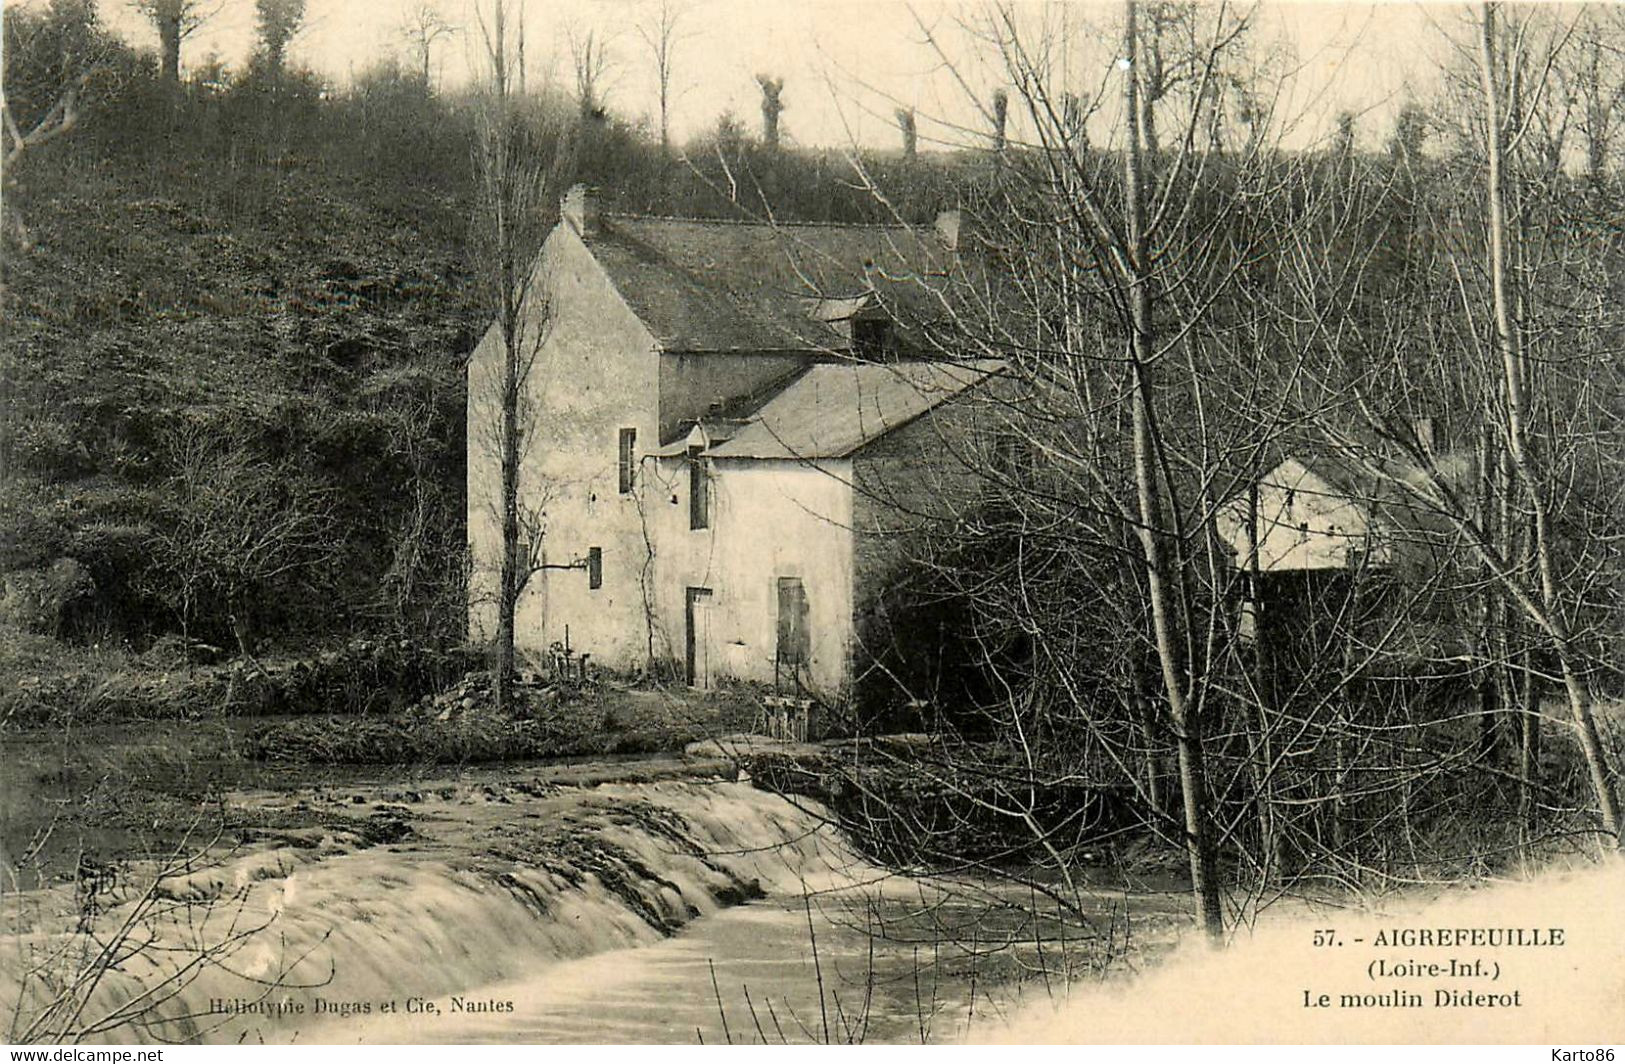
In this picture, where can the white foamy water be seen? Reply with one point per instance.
(746, 974)
(610, 914)
(482, 892)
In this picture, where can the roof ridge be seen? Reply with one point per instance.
(774, 224)
(799, 429)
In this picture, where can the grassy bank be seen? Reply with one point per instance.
(45, 683)
(109, 755)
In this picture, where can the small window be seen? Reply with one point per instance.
(699, 492)
(871, 338)
(595, 567)
(628, 467)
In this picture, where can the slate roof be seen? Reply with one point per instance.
(706, 285)
(834, 409)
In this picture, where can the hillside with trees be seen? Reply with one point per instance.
(237, 312)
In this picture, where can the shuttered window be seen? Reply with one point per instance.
(699, 492)
(628, 460)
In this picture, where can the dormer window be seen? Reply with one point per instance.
(861, 319)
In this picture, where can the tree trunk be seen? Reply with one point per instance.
(1146, 714)
(507, 228)
(1260, 754)
(169, 48)
(1491, 499)
(1187, 725)
(665, 112)
(1529, 748)
(508, 593)
(1512, 380)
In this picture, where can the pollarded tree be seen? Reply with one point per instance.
(175, 20)
(1549, 599)
(772, 107)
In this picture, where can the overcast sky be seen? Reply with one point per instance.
(846, 65)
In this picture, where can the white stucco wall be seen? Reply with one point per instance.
(1304, 523)
(769, 519)
(596, 372)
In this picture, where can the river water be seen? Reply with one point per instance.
(882, 962)
(512, 909)
(518, 906)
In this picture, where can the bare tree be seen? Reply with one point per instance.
(54, 58)
(241, 526)
(1592, 78)
(1521, 362)
(422, 26)
(1551, 604)
(1133, 259)
(1107, 319)
(590, 61)
(516, 183)
(661, 35)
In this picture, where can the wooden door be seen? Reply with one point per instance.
(795, 640)
(697, 637)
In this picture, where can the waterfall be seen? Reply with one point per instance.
(475, 890)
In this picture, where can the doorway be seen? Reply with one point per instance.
(794, 645)
(697, 637)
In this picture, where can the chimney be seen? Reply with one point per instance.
(947, 227)
(580, 209)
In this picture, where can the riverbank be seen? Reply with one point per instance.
(664, 900)
(131, 789)
(307, 887)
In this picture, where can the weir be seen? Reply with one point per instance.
(478, 889)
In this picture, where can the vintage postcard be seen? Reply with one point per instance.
(715, 522)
